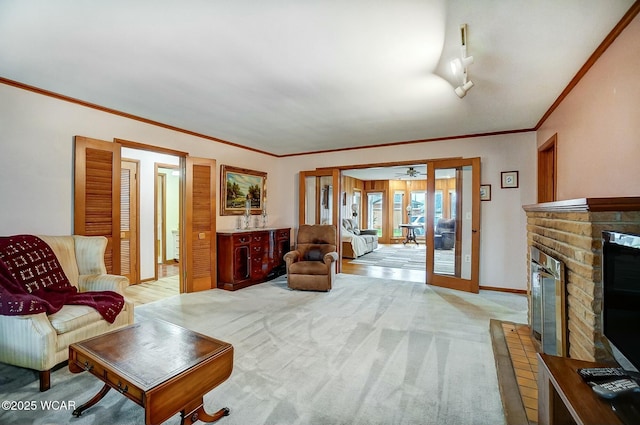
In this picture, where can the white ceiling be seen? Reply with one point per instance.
(286, 77)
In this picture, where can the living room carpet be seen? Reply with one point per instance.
(370, 351)
(408, 256)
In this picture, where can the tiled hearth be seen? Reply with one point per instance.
(571, 231)
(522, 351)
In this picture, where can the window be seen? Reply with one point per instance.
(375, 216)
(417, 210)
(398, 213)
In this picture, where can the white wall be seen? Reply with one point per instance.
(36, 173)
(36, 158)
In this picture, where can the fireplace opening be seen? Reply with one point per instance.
(548, 316)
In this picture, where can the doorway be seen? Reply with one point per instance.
(156, 204)
(446, 208)
(547, 170)
(167, 215)
(97, 210)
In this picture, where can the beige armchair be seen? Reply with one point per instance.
(311, 266)
(39, 341)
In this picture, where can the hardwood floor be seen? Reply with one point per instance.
(167, 285)
(406, 275)
(147, 292)
(384, 272)
(165, 270)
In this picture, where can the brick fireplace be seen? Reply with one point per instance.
(571, 232)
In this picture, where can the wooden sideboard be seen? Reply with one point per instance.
(247, 257)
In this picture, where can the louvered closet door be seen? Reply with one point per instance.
(200, 224)
(97, 195)
(129, 220)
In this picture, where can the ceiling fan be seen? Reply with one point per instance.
(411, 172)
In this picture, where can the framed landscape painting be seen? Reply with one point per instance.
(239, 185)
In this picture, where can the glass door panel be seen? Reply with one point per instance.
(311, 213)
(417, 205)
(399, 214)
(375, 211)
(326, 200)
(453, 239)
(356, 208)
(318, 197)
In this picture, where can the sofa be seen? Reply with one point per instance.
(357, 242)
(40, 341)
(445, 233)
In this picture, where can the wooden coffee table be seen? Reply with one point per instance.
(161, 366)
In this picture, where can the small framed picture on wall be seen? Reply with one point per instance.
(509, 179)
(485, 192)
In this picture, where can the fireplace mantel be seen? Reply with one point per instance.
(587, 204)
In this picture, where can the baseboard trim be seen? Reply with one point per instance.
(510, 290)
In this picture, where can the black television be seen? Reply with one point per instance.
(621, 296)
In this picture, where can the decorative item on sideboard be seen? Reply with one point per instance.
(264, 215)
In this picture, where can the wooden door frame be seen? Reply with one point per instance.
(135, 235)
(163, 254)
(548, 173)
(181, 157)
(472, 284)
(160, 252)
(386, 221)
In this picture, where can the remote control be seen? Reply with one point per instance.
(613, 389)
(602, 373)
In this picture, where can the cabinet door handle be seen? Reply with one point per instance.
(121, 389)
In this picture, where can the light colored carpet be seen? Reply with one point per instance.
(371, 351)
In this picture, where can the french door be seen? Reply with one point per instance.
(318, 201)
(453, 223)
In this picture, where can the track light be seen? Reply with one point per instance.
(462, 90)
(459, 65)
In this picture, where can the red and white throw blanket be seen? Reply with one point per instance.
(32, 281)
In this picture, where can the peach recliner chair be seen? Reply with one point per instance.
(311, 266)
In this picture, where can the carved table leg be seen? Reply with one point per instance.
(190, 415)
(96, 398)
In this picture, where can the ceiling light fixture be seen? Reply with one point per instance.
(462, 90)
(459, 65)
